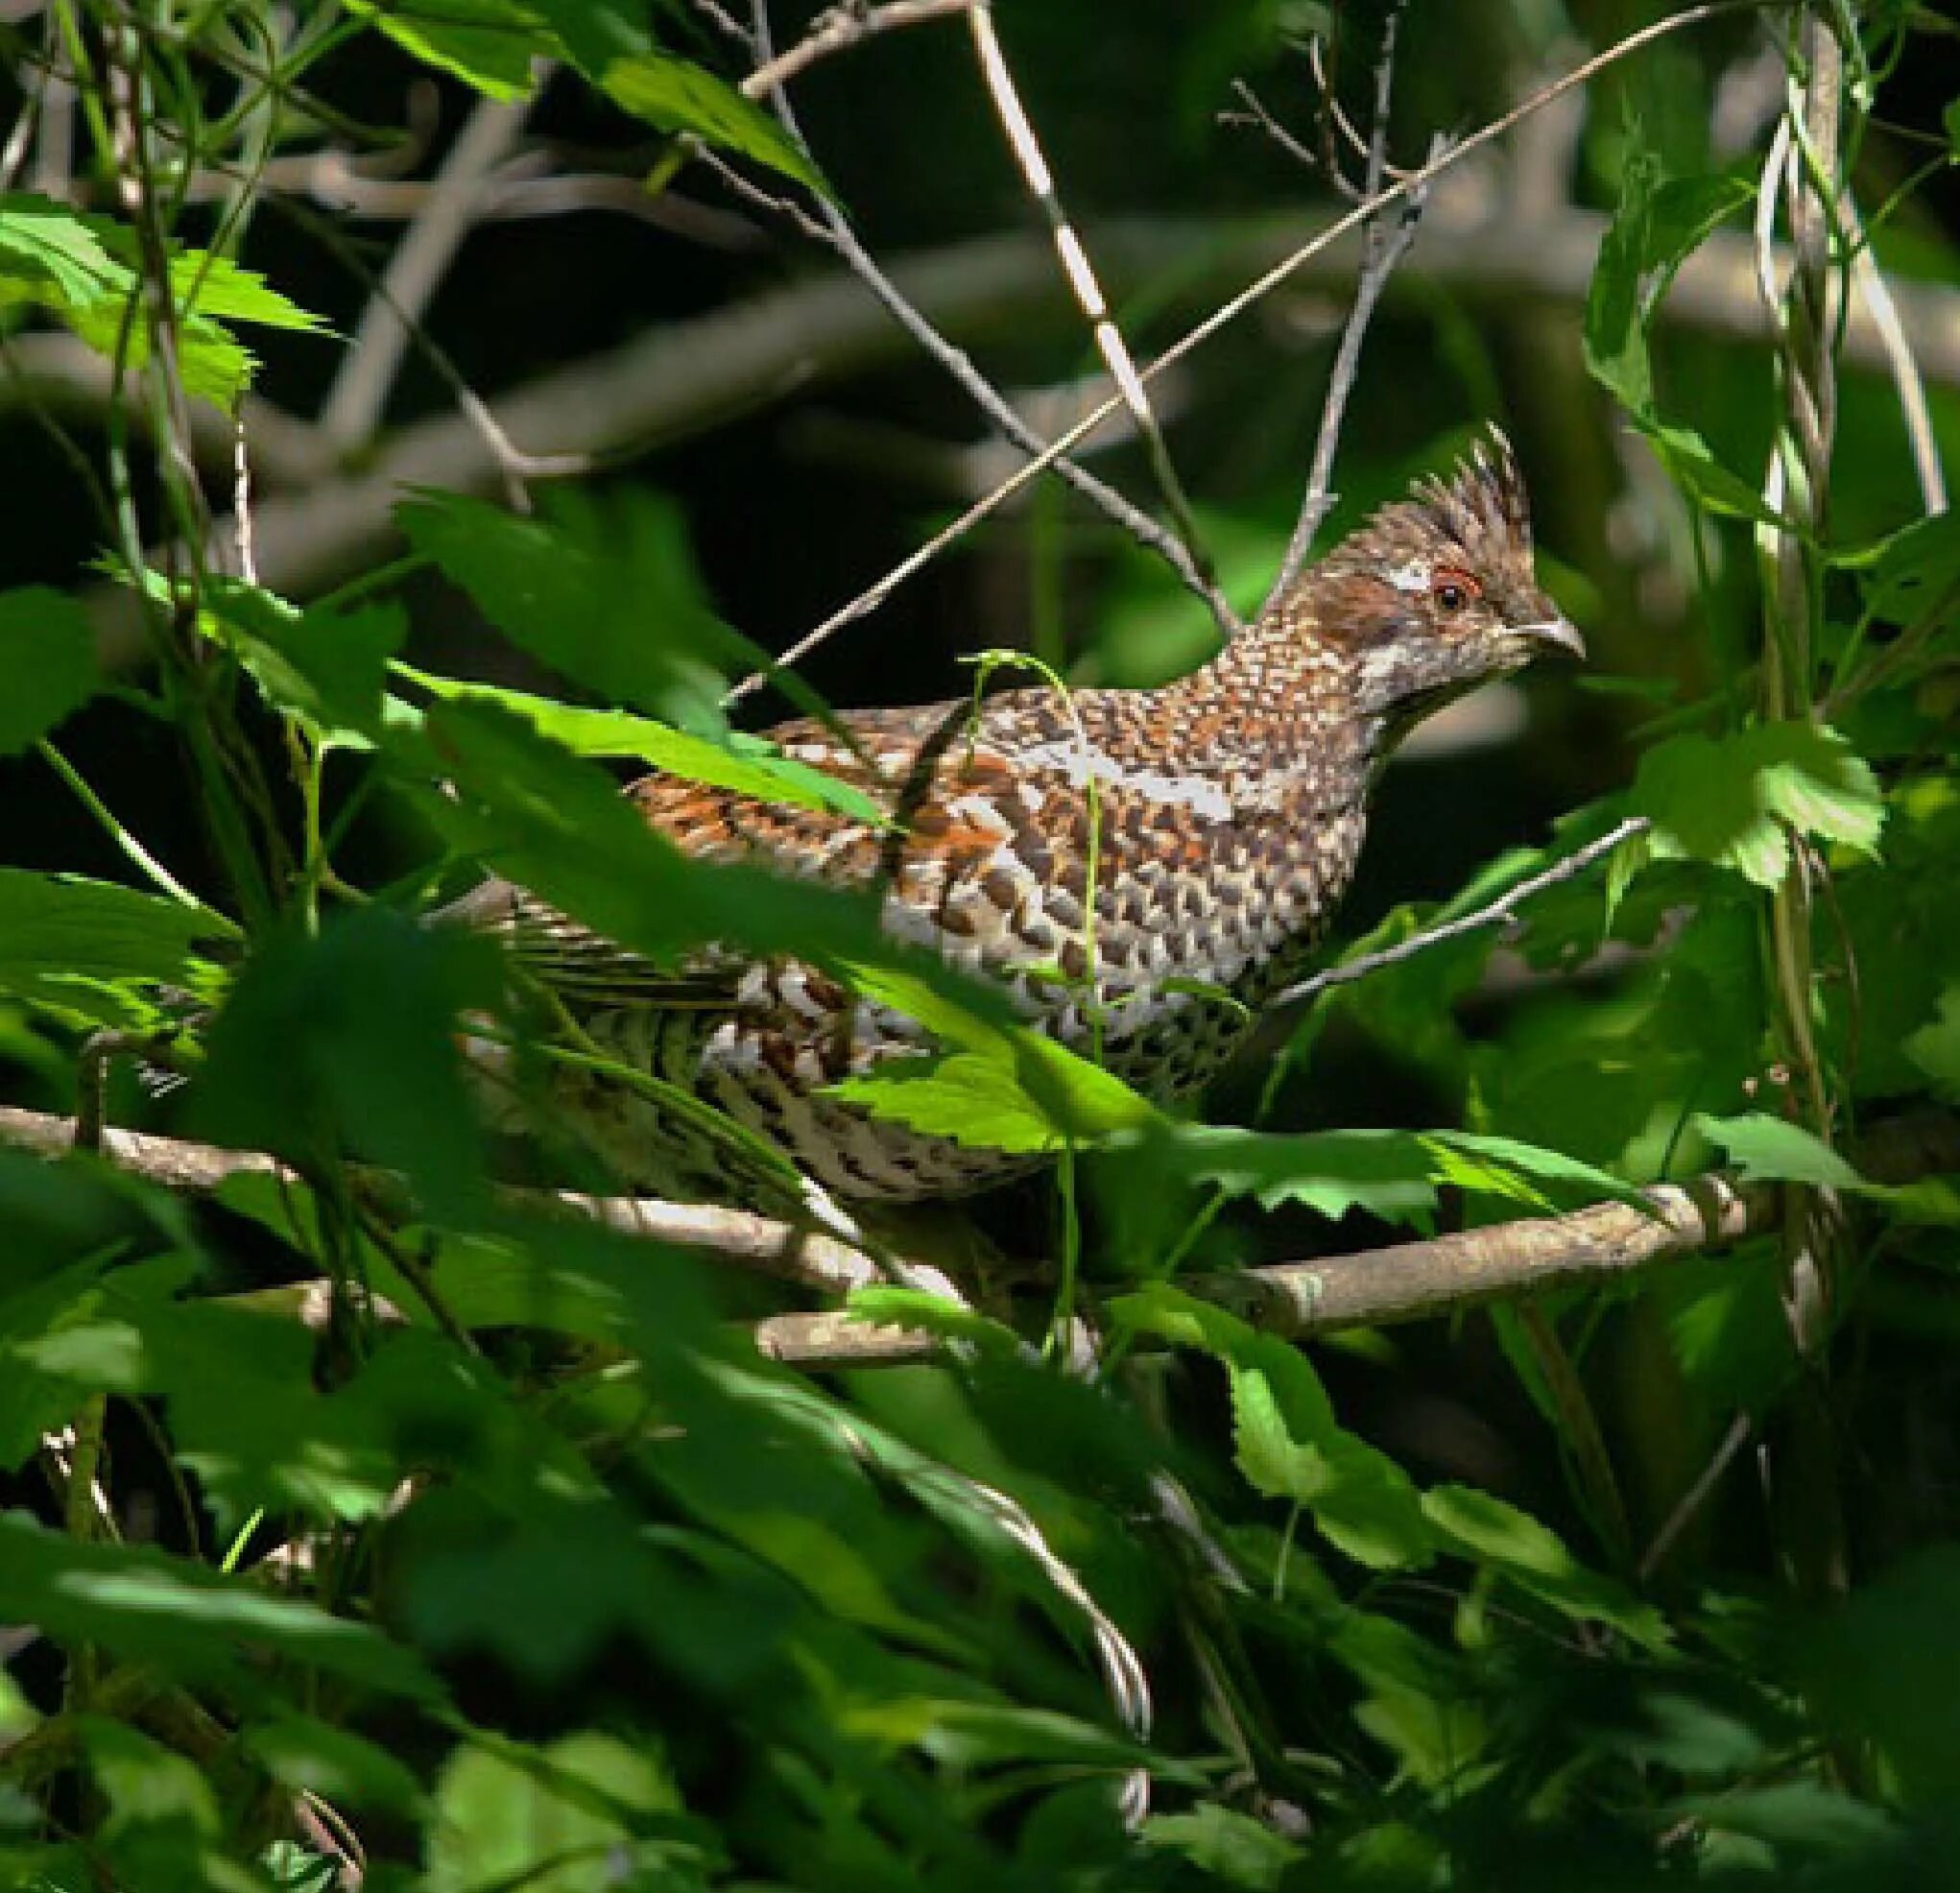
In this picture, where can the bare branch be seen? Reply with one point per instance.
(1447, 1273)
(832, 228)
(684, 375)
(1382, 249)
(1499, 912)
(1234, 307)
(1403, 1282)
(359, 395)
(1040, 180)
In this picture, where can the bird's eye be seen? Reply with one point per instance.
(1453, 591)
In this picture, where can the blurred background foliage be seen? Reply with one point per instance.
(548, 1579)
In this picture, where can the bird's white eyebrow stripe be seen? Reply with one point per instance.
(1082, 762)
(1414, 576)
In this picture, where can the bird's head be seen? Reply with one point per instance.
(1437, 592)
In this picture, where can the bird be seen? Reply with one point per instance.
(1141, 870)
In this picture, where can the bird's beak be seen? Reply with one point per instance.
(1558, 632)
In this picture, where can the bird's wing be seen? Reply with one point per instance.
(948, 791)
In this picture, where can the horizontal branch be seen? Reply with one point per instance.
(1375, 1287)
(759, 1244)
(686, 375)
(1406, 1281)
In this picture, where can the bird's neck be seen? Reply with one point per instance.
(1280, 691)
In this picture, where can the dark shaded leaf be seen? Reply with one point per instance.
(187, 1620)
(47, 654)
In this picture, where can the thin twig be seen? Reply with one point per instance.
(1399, 191)
(1383, 247)
(1499, 912)
(831, 229)
(1076, 266)
(1690, 1502)
(837, 30)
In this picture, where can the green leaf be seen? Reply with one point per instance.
(974, 1101)
(676, 95)
(999, 1079)
(1613, 332)
(349, 1038)
(1481, 1526)
(1693, 465)
(744, 765)
(1726, 800)
(311, 1757)
(186, 1619)
(66, 927)
(1805, 1820)
(1935, 1047)
(1653, 227)
(1390, 1174)
(323, 667)
(47, 655)
(564, 1819)
(964, 1734)
(1913, 571)
(608, 597)
(1229, 1848)
(44, 245)
(490, 44)
(558, 825)
(1387, 1174)
(885, 1306)
(1288, 1444)
(208, 285)
(1767, 1149)
(1510, 1167)
(83, 270)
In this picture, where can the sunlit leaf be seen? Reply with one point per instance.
(1767, 1149)
(1289, 1444)
(322, 667)
(676, 95)
(490, 44)
(1001, 1080)
(1482, 1526)
(1728, 800)
(748, 767)
(563, 1819)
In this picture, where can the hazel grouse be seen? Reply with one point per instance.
(1230, 811)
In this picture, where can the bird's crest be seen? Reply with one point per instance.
(1480, 513)
(1483, 504)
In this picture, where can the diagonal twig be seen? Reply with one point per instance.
(1081, 274)
(1398, 191)
(1496, 913)
(837, 30)
(831, 229)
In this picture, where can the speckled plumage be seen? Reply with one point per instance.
(1230, 811)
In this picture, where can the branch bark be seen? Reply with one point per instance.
(1376, 1287)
